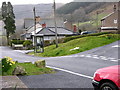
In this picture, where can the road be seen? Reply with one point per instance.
(73, 71)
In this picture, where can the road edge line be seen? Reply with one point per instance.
(71, 72)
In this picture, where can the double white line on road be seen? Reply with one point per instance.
(71, 72)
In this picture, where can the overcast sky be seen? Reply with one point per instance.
(17, 2)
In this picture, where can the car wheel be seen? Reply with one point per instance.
(108, 86)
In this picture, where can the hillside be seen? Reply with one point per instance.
(83, 14)
(73, 6)
(26, 11)
(104, 10)
(79, 11)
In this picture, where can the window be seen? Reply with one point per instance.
(115, 21)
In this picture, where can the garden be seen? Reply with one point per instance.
(10, 67)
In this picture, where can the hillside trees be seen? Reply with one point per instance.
(78, 11)
(77, 15)
(8, 18)
(71, 7)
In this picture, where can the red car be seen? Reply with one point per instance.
(107, 78)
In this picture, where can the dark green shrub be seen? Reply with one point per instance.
(15, 41)
(27, 43)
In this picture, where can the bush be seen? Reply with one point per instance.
(17, 41)
(27, 44)
(6, 64)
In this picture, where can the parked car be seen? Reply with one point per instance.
(87, 32)
(107, 78)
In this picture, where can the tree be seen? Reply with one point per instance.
(8, 19)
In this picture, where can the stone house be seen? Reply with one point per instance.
(110, 22)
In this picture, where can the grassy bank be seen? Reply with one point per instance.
(30, 68)
(82, 44)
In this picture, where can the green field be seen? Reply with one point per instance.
(93, 21)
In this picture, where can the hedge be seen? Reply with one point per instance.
(80, 36)
(15, 41)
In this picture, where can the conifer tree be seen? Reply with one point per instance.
(8, 18)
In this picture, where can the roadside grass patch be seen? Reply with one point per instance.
(30, 68)
(85, 43)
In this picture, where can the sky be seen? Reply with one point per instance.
(17, 2)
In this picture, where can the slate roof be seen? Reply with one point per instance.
(51, 31)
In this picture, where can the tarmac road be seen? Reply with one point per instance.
(73, 71)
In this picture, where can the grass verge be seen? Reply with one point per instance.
(85, 43)
(30, 68)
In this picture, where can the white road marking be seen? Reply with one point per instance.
(82, 55)
(88, 56)
(71, 72)
(96, 57)
(75, 56)
(27, 61)
(114, 60)
(91, 56)
(104, 58)
(116, 46)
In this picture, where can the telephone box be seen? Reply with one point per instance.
(39, 43)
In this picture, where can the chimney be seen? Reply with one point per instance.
(75, 28)
(44, 25)
(38, 19)
(115, 7)
(119, 5)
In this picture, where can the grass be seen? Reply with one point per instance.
(100, 16)
(30, 68)
(93, 22)
(85, 43)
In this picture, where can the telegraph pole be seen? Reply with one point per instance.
(119, 17)
(97, 19)
(56, 37)
(34, 39)
(34, 20)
